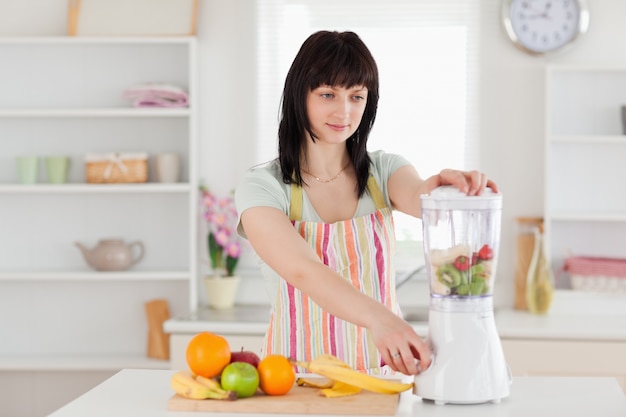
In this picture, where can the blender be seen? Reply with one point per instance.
(461, 239)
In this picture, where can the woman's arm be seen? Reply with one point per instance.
(275, 240)
(405, 186)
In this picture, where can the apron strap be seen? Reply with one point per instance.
(377, 195)
(295, 205)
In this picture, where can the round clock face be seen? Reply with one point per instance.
(541, 26)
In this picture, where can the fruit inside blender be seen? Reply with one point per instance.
(461, 271)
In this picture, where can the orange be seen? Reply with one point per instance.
(276, 375)
(207, 354)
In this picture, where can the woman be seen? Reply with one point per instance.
(320, 215)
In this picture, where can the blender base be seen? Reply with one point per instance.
(468, 364)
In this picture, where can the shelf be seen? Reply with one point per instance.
(587, 217)
(104, 40)
(588, 139)
(146, 188)
(79, 362)
(124, 112)
(96, 276)
(582, 68)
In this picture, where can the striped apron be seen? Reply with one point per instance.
(361, 250)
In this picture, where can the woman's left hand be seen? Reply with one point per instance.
(406, 187)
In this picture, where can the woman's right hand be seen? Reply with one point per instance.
(400, 346)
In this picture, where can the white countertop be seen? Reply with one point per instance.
(241, 319)
(573, 316)
(140, 393)
(513, 324)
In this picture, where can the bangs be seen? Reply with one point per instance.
(344, 67)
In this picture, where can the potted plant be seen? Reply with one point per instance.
(224, 248)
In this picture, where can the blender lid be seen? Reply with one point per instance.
(448, 197)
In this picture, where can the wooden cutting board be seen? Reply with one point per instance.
(300, 400)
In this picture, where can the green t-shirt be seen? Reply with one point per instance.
(263, 186)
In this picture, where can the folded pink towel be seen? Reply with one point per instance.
(157, 95)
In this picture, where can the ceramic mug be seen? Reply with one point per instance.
(167, 167)
(56, 168)
(27, 169)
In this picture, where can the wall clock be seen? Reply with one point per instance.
(543, 26)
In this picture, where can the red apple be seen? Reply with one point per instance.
(245, 356)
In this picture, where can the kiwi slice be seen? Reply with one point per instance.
(449, 276)
(478, 269)
(463, 289)
(476, 287)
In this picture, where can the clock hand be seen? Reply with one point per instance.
(530, 7)
(537, 13)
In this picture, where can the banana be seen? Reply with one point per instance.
(332, 359)
(210, 383)
(217, 388)
(335, 369)
(314, 383)
(328, 387)
(339, 389)
(184, 384)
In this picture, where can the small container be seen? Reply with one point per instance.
(116, 167)
(112, 254)
(598, 274)
(28, 169)
(56, 169)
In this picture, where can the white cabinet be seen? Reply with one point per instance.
(570, 358)
(585, 202)
(64, 96)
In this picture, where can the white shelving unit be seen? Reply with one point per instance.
(585, 212)
(64, 96)
(77, 113)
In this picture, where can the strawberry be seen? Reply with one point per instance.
(485, 253)
(462, 263)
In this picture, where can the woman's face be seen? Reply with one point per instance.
(335, 112)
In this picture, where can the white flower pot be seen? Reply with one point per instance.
(221, 291)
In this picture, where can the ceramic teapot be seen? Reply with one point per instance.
(112, 254)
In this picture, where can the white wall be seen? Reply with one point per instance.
(513, 114)
(512, 98)
(512, 104)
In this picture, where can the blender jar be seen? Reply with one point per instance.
(461, 241)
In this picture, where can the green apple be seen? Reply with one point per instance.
(240, 377)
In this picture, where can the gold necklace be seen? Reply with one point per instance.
(330, 180)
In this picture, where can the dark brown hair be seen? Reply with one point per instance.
(334, 59)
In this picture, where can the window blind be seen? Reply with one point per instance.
(427, 54)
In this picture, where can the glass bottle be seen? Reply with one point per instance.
(525, 247)
(540, 280)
